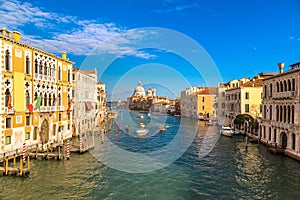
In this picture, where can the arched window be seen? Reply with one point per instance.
(277, 113)
(289, 85)
(49, 100)
(27, 98)
(45, 68)
(265, 91)
(54, 100)
(59, 99)
(280, 115)
(7, 96)
(27, 65)
(59, 73)
(284, 113)
(41, 68)
(285, 85)
(277, 87)
(45, 99)
(36, 66)
(274, 135)
(293, 84)
(265, 112)
(270, 112)
(281, 87)
(293, 114)
(293, 141)
(7, 60)
(271, 89)
(35, 133)
(288, 114)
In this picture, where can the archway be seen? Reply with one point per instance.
(283, 140)
(44, 132)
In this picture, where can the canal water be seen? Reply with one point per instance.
(229, 171)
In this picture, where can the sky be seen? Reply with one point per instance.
(166, 44)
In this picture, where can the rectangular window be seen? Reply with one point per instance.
(8, 140)
(203, 99)
(8, 122)
(202, 107)
(68, 126)
(27, 135)
(223, 105)
(260, 108)
(73, 93)
(247, 95)
(27, 120)
(73, 77)
(59, 117)
(246, 108)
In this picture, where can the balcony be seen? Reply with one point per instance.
(9, 111)
(285, 95)
(283, 125)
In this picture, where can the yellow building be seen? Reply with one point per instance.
(206, 103)
(35, 95)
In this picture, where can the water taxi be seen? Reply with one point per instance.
(226, 131)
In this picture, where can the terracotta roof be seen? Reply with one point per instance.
(210, 90)
(253, 83)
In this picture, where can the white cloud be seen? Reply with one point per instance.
(79, 37)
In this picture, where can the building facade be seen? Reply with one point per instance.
(280, 122)
(36, 88)
(198, 102)
(101, 103)
(84, 100)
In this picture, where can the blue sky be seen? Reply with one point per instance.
(242, 38)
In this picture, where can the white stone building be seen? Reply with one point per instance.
(280, 124)
(84, 100)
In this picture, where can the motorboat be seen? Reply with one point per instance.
(163, 128)
(226, 131)
(142, 131)
(142, 125)
(142, 116)
(210, 123)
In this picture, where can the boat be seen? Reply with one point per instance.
(142, 131)
(162, 128)
(226, 131)
(142, 116)
(149, 114)
(127, 129)
(142, 125)
(210, 123)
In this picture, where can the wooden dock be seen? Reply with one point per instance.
(21, 170)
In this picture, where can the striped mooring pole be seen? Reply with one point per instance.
(68, 149)
(80, 144)
(24, 152)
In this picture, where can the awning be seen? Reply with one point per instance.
(89, 106)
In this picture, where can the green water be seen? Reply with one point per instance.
(229, 171)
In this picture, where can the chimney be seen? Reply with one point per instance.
(64, 55)
(17, 36)
(3, 31)
(280, 66)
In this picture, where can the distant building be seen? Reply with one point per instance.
(142, 100)
(198, 102)
(280, 123)
(36, 87)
